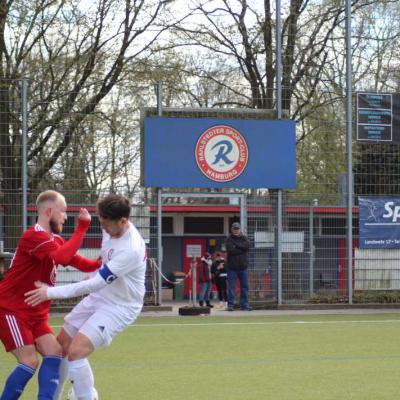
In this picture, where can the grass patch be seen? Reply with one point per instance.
(251, 357)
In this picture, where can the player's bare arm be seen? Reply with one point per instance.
(103, 278)
(37, 296)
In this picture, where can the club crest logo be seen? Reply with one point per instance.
(221, 153)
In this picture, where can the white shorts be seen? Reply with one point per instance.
(99, 324)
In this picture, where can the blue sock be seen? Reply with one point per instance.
(49, 374)
(16, 382)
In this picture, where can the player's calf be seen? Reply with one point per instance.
(48, 377)
(16, 382)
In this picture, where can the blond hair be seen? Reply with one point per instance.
(46, 196)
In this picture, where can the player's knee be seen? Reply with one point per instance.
(76, 352)
(80, 347)
(54, 349)
(30, 360)
(64, 342)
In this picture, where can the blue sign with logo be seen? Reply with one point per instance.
(215, 153)
(379, 222)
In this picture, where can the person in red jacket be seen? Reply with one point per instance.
(25, 330)
(204, 272)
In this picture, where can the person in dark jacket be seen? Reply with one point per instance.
(237, 248)
(204, 274)
(219, 275)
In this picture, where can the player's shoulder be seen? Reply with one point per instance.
(132, 246)
(132, 237)
(35, 231)
(33, 237)
(135, 232)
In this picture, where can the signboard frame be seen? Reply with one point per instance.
(170, 157)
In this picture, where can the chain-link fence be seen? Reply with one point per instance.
(314, 260)
(74, 126)
(80, 161)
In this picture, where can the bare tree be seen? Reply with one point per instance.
(237, 38)
(242, 35)
(112, 147)
(73, 53)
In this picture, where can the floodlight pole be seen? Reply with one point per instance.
(349, 146)
(279, 116)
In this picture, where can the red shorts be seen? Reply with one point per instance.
(16, 332)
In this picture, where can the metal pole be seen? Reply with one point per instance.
(349, 145)
(159, 90)
(279, 246)
(311, 248)
(24, 169)
(279, 116)
(159, 206)
(159, 243)
(243, 213)
(278, 62)
(194, 280)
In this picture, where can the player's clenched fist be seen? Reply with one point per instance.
(84, 215)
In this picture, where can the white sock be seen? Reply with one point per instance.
(63, 377)
(82, 378)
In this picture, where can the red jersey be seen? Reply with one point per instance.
(32, 262)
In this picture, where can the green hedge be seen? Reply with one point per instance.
(359, 297)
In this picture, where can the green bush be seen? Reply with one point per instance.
(359, 297)
(327, 298)
(376, 297)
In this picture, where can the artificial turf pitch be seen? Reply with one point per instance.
(321, 357)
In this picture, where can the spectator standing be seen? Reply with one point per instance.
(237, 248)
(220, 275)
(204, 272)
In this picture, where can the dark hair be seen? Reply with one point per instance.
(113, 207)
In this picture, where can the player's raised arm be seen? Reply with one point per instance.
(64, 253)
(84, 264)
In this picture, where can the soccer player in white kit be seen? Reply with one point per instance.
(116, 296)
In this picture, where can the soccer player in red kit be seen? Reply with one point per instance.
(25, 330)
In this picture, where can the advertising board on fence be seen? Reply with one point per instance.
(218, 153)
(379, 222)
(378, 117)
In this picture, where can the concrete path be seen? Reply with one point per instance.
(171, 309)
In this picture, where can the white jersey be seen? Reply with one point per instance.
(120, 282)
(125, 258)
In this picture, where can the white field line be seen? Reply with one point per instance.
(247, 323)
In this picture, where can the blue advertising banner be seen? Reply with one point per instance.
(379, 222)
(216, 153)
